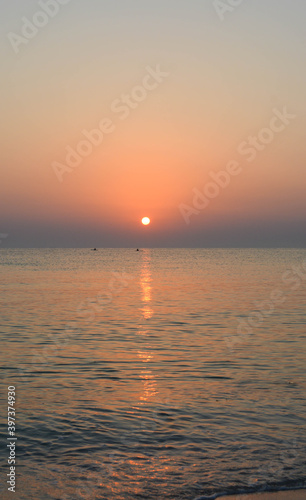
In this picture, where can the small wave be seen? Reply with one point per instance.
(252, 491)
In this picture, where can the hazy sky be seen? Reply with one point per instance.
(180, 90)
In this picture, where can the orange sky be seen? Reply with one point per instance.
(216, 85)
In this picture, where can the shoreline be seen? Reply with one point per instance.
(299, 494)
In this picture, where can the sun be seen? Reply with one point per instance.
(146, 221)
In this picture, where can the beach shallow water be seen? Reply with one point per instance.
(280, 495)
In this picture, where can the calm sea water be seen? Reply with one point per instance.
(159, 374)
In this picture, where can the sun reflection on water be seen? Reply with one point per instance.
(147, 312)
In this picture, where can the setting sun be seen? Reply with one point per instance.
(146, 221)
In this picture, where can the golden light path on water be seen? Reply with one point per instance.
(147, 313)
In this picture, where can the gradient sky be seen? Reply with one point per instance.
(225, 79)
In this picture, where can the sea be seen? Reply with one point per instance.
(153, 374)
